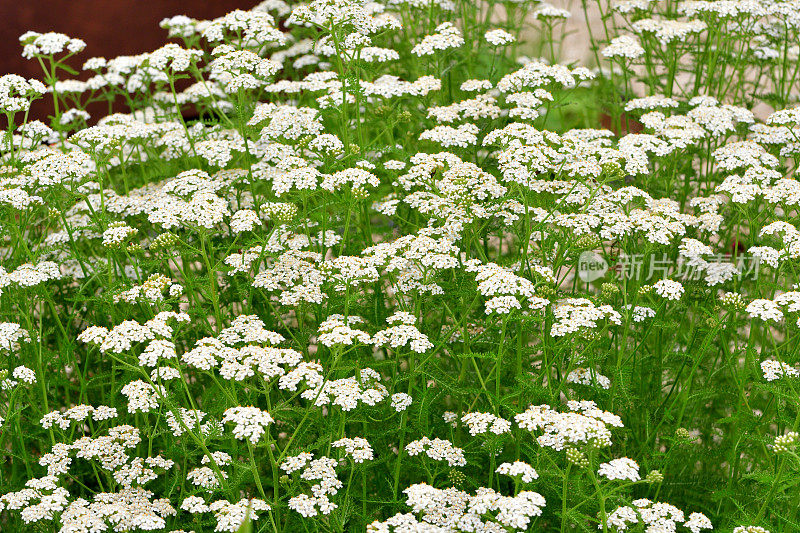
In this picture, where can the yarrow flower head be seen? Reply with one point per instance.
(584, 425)
(444, 37)
(625, 46)
(668, 289)
(621, 469)
(48, 44)
(519, 469)
(438, 450)
(250, 422)
(786, 442)
(357, 448)
(17, 93)
(499, 37)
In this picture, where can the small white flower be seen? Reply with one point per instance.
(499, 37)
(668, 289)
(250, 422)
(622, 469)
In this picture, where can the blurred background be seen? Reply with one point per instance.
(109, 27)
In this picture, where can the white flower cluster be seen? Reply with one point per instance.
(230, 517)
(249, 422)
(784, 443)
(347, 393)
(338, 330)
(773, 310)
(577, 314)
(245, 350)
(402, 332)
(77, 413)
(668, 289)
(656, 516)
(499, 37)
(142, 396)
(29, 275)
(455, 510)
(438, 450)
(17, 93)
(11, 335)
(668, 31)
(445, 36)
(20, 373)
(123, 336)
(117, 233)
(357, 448)
(506, 288)
(152, 290)
(774, 370)
(624, 46)
(401, 401)
(589, 378)
(583, 425)
(519, 469)
(461, 136)
(48, 44)
(321, 474)
(622, 469)
(480, 423)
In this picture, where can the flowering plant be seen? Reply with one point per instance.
(378, 266)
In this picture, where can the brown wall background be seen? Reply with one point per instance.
(109, 27)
